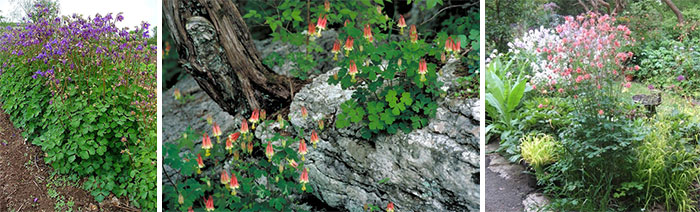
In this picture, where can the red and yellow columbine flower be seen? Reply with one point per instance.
(233, 185)
(250, 147)
(269, 152)
(229, 142)
(302, 148)
(422, 69)
(348, 45)
(320, 124)
(210, 119)
(368, 33)
(413, 34)
(254, 118)
(280, 121)
(216, 132)
(190, 209)
(206, 144)
(224, 177)
(336, 49)
(312, 30)
(314, 138)
(209, 203)
(326, 6)
(200, 163)
(180, 199)
(448, 44)
(352, 70)
(304, 179)
(456, 47)
(263, 114)
(177, 94)
(304, 113)
(244, 127)
(390, 207)
(402, 23)
(321, 24)
(292, 163)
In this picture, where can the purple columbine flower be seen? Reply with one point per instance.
(680, 78)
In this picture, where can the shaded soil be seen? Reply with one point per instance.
(505, 194)
(25, 179)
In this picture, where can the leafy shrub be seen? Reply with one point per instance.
(671, 65)
(545, 115)
(600, 134)
(266, 173)
(85, 92)
(667, 164)
(503, 95)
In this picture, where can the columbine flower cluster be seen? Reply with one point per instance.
(590, 50)
(245, 137)
(533, 47)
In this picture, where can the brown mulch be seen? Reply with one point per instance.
(24, 176)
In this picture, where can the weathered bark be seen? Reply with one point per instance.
(675, 10)
(216, 48)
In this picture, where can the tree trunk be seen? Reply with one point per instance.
(216, 48)
(675, 10)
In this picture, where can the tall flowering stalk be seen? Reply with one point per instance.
(590, 58)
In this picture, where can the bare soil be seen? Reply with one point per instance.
(25, 179)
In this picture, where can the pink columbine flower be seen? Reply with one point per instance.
(304, 179)
(224, 177)
(402, 23)
(206, 144)
(422, 69)
(390, 207)
(200, 163)
(233, 185)
(348, 45)
(600, 112)
(368, 33)
(209, 203)
(352, 70)
(336, 49)
(314, 138)
(269, 152)
(302, 148)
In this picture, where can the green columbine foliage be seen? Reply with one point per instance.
(265, 184)
(85, 92)
(389, 92)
